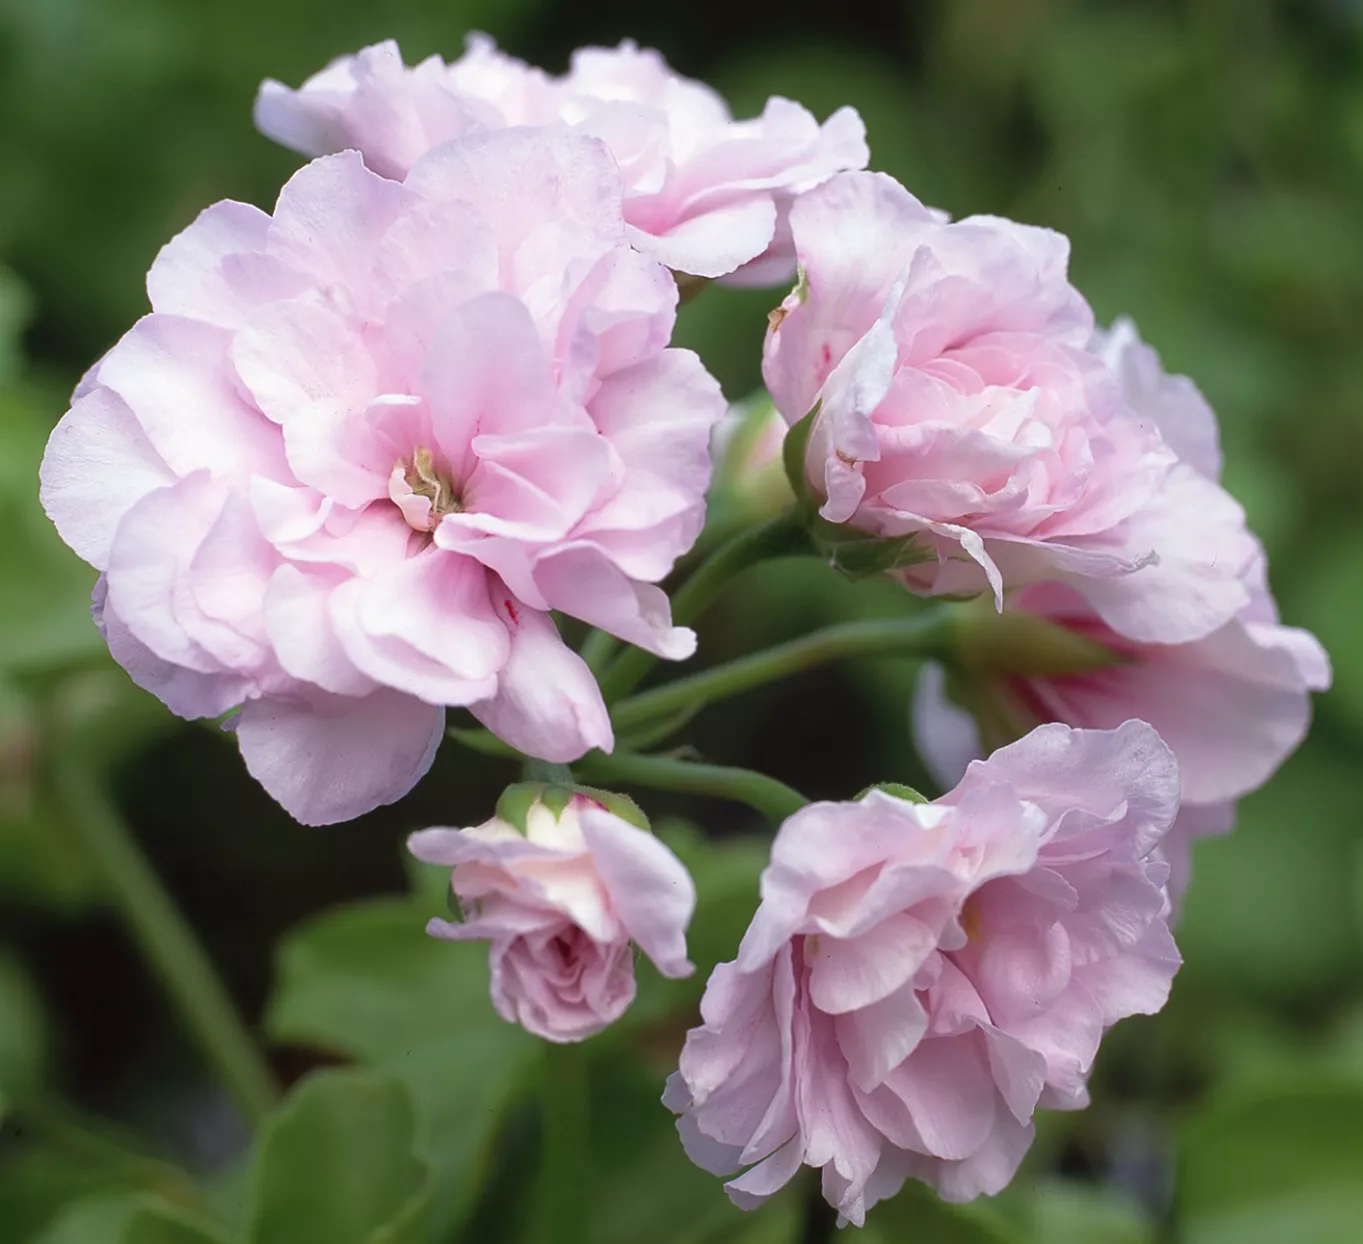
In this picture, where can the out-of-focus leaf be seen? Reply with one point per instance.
(1270, 907)
(14, 308)
(1325, 600)
(1064, 1211)
(918, 1213)
(23, 1028)
(1281, 1162)
(643, 1185)
(45, 608)
(365, 981)
(337, 1165)
(136, 1219)
(42, 1176)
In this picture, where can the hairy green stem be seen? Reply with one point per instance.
(566, 1170)
(168, 942)
(923, 635)
(777, 537)
(773, 799)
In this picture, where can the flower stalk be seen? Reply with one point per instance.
(168, 943)
(565, 1199)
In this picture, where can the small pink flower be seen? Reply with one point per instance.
(362, 447)
(921, 977)
(561, 902)
(1232, 705)
(959, 404)
(704, 193)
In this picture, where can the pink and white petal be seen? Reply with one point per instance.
(300, 352)
(176, 378)
(199, 272)
(152, 550)
(768, 1177)
(426, 626)
(712, 243)
(298, 621)
(988, 1170)
(330, 218)
(949, 1092)
(649, 887)
(526, 176)
(581, 581)
(187, 693)
(1197, 584)
(489, 373)
(97, 466)
(334, 758)
(875, 1039)
(1128, 771)
(548, 704)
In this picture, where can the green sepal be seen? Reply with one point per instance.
(619, 805)
(857, 555)
(556, 798)
(517, 800)
(896, 789)
(793, 458)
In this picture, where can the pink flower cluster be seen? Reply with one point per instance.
(560, 899)
(959, 404)
(363, 446)
(921, 977)
(705, 194)
(1232, 704)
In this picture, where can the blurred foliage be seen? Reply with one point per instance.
(1205, 157)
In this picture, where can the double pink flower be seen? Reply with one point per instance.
(360, 449)
(921, 977)
(704, 193)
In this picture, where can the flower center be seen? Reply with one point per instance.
(422, 491)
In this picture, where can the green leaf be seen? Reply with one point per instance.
(130, 1219)
(366, 982)
(336, 1165)
(917, 1213)
(644, 1188)
(23, 1028)
(14, 312)
(1065, 1211)
(1282, 1162)
(45, 609)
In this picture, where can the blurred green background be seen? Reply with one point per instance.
(1205, 157)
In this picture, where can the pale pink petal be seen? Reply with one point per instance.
(650, 889)
(547, 703)
(98, 465)
(334, 758)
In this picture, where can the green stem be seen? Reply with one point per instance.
(597, 649)
(923, 635)
(566, 1169)
(774, 800)
(777, 537)
(168, 942)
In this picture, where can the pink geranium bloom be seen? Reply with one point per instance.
(703, 193)
(361, 447)
(561, 899)
(1232, 705)
(921, 977)
(959, 405)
